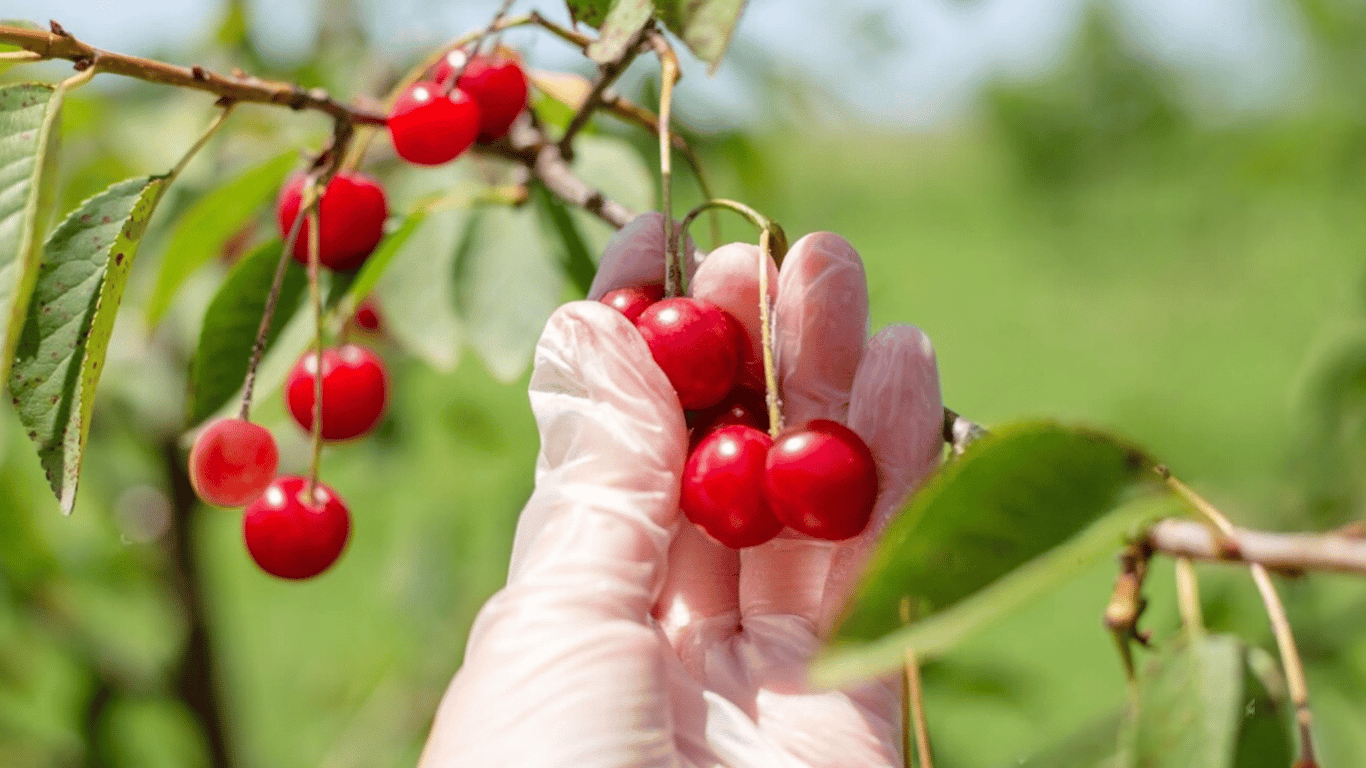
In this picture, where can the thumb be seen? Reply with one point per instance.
(597, 528)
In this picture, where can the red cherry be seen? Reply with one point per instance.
(429, 126)
(232, 461)
(367, 315)
(354, 391)
(632, 301)
(722, 490)
(292, 537)
(692, 342)
(496, 84)
(350, 219)
(820, 479)
(742, 406)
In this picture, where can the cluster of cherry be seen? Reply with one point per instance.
(740, 485)
(233, 462)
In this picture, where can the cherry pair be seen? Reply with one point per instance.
(739, 485)
(435, 120)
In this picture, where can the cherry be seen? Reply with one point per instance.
(354, 391)
(742, 406)
(496, 84)
(350, 219)
(722, 491)
(292, 537)
(693, 343)
(367, 315)
(232, 461)
(632, 301)
(820, 479)
(429, 126)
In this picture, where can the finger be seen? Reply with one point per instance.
(703, 577)
(897, 409)
(635, 256)
(597, 528)
(820, 323)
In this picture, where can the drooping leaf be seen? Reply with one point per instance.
(590, 12)
(200, 233)
(417, 293)
(28, 116)
(619, 28)
(575, 260)
(231, 323)
(1006, 520)
(507, 285)
(613, 167)
(1198, 706)
(66, 331)
(706, 26)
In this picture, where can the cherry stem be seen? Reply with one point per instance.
(203, 139)
(779, 237)
(775, 411)
(315, 298)
(675, 277)
(1275, 612)
(1188, 598)
(913, 723)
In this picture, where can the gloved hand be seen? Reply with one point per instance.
(626, 637)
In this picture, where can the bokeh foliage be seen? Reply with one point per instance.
(1087, 248)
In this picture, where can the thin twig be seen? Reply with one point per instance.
(913, 723)
(60, 44)
(1127, 605)
(1285, 552)
(607, 74)
(316, 301)
(959, 433)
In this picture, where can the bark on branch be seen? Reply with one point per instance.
(1285, 552)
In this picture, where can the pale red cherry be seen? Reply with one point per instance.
(232, 461)
(722, 488)
(633, 300)
(496, 84)
(355, 391)
(350, 219)
(820, 479)
(429, 126)
(692, 341)
(367, 315)
(292, 536)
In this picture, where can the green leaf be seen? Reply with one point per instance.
(575, 260)
(611, 166)
(231, 323)
(623, 21)
(973, 541)
(417, 293)
(590, 12)
(66, 332)
(1199, 706)
(706, 26)
(507, 286)
(28, 114)
(200, 233)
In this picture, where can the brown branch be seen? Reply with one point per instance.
(1291, 553)
(239, 87)
(607, 74)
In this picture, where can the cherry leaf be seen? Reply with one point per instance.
(1020, 510)
(200, 233)
(28, 116)
(706, 26)
(623, 21)
(66, 332)
(230, 325)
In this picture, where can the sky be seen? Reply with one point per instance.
(896, 62)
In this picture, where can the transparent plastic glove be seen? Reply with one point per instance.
(625, 637)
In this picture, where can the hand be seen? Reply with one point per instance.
(626, 637)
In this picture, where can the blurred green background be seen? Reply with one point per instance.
(1093, 240)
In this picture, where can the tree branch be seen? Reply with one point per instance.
(60, 44)
(1285, 552)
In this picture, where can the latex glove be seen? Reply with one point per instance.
(624, 636)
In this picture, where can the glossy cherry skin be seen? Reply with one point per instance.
(292, 537)
(429, 126)
(632, 301)
(367, 315)
(722, 489)
(355, 391)
(350, 219)
(820, 479)
(496, 84)
(232, 461)
(693, 343)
